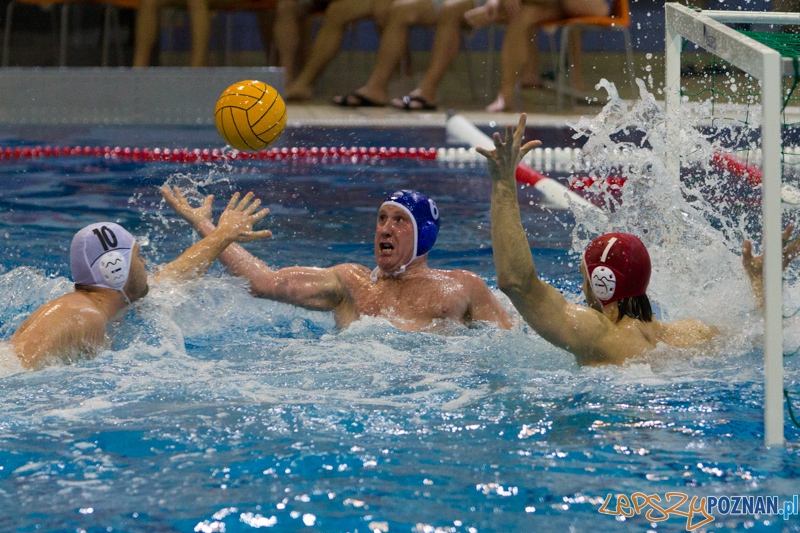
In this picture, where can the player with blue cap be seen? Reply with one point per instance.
(109, 274)
(402, 288)
(424, 216)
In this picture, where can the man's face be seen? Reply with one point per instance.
(588, 292)
(394, 238)
(136, 287)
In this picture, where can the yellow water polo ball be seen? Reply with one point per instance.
(250, 115)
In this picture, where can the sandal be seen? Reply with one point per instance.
(355, 100)
(413, 103)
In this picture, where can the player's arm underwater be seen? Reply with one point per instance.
(235, 224)
(309, 287)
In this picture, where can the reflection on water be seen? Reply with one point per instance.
(215, 411)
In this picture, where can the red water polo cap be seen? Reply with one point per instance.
(618, 266)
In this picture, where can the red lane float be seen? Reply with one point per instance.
(184, 155)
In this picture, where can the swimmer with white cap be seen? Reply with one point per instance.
(618, 322)
(109, 274)
(401, 288)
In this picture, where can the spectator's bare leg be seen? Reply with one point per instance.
(146, 32)
(531, 76)
(445, 48)
(329, 39)
(287, 35)
(394, 40)
(514, 53)
(200, 22)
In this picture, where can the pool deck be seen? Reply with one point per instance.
(317, 114)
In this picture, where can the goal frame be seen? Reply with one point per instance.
(707, 29)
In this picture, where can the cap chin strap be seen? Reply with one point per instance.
(376, 273)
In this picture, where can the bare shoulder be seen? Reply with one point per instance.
(67, 324)
(465, 277)
(350, 271)
(71, 306)
(688, 333)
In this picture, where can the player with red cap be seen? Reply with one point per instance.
(618, 322)
(617, 269)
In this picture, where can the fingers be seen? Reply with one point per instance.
(252, 207)
(790, 252)
(168, 195)
(530, 145)
(498, 142)
(208, 202)
(787, 232)
(747, 251)
(244, 202)
(523, 118)
(233, 201)
(483, 151)
(261, 214)
(248, 236)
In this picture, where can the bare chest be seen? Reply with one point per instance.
(416, 302)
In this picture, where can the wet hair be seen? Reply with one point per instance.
(637, 307)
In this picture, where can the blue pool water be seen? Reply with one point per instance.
(215, 411)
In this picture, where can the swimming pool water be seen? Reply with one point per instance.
(216, 411)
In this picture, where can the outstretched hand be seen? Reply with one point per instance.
(754, 265)
(177, 201)
(238, 218)
(505, 157)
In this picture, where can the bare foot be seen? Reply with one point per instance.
(298, 93)
(378, 97)
(482, 16)
(498, 106)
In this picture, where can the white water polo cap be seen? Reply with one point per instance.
(100, 255)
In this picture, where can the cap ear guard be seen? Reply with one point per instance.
(427, 237)
(114, 269)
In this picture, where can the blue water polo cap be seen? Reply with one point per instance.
(424, 214)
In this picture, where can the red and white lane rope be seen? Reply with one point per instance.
(185, 155)
(530, 173)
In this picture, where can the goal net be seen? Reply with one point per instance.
(746, 69)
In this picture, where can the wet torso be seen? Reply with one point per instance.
(412, 301)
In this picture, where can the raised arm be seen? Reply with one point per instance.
(754, 265)
(312, 288)
(235, 223)
(573, 327)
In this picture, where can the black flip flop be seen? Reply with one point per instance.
(355, 100)
(424, 105)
